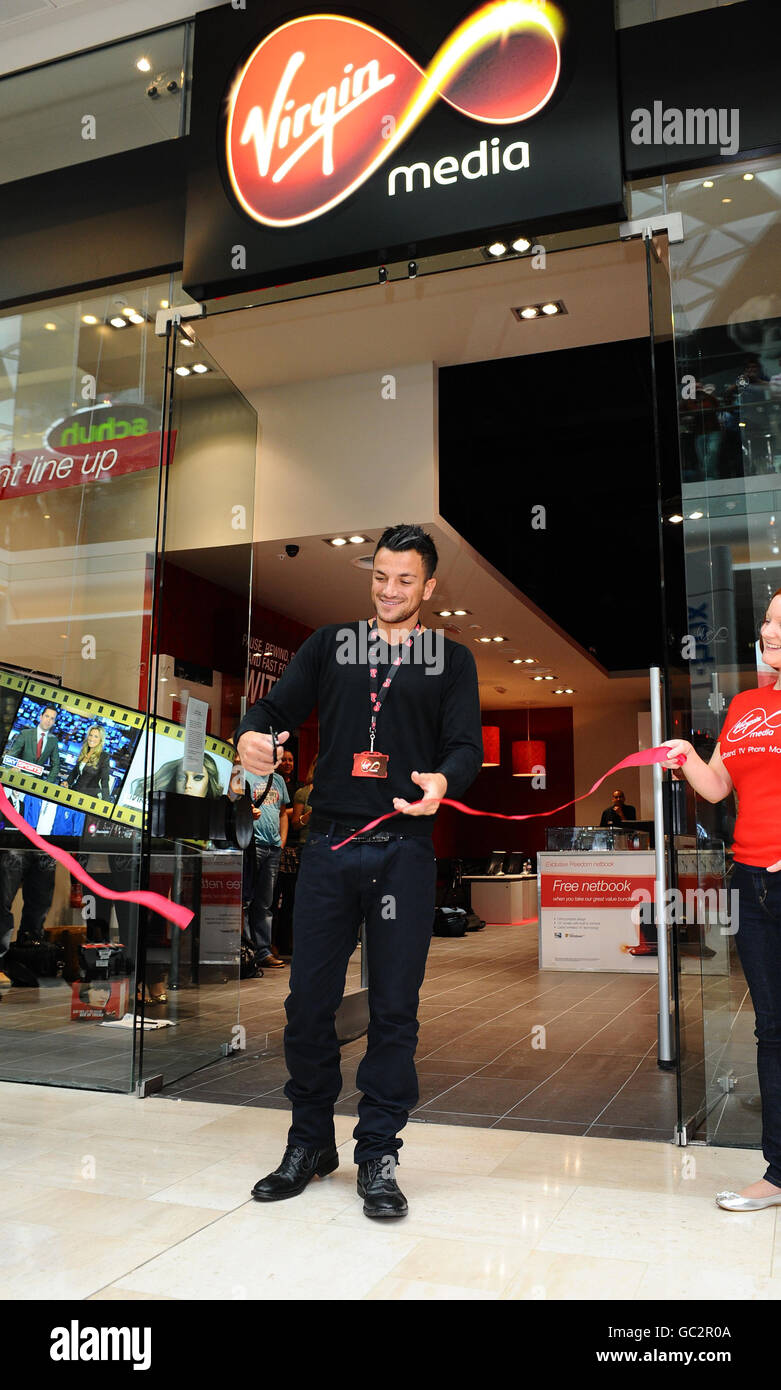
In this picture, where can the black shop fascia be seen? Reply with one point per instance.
(321, 143)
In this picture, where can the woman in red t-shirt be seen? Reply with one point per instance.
(747, 760)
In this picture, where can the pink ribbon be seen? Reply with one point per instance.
(645, 758)
(174, 912)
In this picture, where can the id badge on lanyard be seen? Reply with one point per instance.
(372, 763)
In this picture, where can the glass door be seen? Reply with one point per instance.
(689, 854)
(195, 656)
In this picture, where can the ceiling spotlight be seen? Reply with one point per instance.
(696, 516)
(47, 516)
(357, 540)
(548, 678)
(144, 65)
(675, 517)
(127, 311)
(550, 308)
(52, 327)
(516, 661)
(726, 200)
(88, 318)
(460, 612)
(133, 317)
(118, 322)
(200, 368)
(707, 183)
(498, 639)
(445, 613)
(497, 248)
(747, 178)
(558, 692)
(338, 540)
(183, 371)
(483, 639)
(529, 313)
(164, 304)
(536, 678)
(520, 244)
(530, 661)
(568, 690)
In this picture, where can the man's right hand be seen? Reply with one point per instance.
(257, 753)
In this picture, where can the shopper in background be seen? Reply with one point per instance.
(302, 812)
(270, 831)
(618, 811)
(747, 759)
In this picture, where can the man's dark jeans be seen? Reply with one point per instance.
(392, 886)
(758, 940)
(262, 906)
(33, 872)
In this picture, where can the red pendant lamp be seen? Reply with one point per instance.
(527, 754)
(491, 753)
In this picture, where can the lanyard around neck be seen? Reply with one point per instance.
(378, 693)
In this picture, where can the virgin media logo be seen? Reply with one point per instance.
(324, 100)
(756, 723)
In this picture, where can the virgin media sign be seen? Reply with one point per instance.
(324, 101)
(342, 142)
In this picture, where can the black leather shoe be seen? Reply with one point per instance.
(379, 1189)
(297, 1168)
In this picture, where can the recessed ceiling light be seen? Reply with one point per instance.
(558, 692)
(747, 178)
(445, 613)
(530, 661)
(707, 183)
(696, 516)
(183, 371)
(163, 679)
(521, 244)
(88, 318)
(482, 639)
(52, 327)
(357, 540)
(726, 200)
(338, 540)
(568, 690)
(498, 639)
(529, 313)
(497, 248)
(536, 678)
(516, 661)
(164, 304)
(550, 308)
(143, 65)
(47, 516)
(675, 517)
(118, 322)
(460, 612)
(549, 678)
(136, 318)
(200, 368)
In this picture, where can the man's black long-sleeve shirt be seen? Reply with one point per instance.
(429, 720)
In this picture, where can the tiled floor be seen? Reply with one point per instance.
(162, 1190)
(502, 1045)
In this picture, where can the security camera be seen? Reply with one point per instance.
(292, 550)
(152, 92)
(172, 86)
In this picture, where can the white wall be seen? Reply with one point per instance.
(337, 454)
(603, 735)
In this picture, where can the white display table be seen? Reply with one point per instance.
(504, 899)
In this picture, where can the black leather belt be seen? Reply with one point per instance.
(323, 826)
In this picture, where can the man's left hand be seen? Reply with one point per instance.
(434, 787)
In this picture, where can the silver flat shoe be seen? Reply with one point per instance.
(732, 1201)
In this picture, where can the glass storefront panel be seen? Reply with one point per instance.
(728, 365)
(118, 97)
(93, 709)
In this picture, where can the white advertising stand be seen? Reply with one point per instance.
(586, 910)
